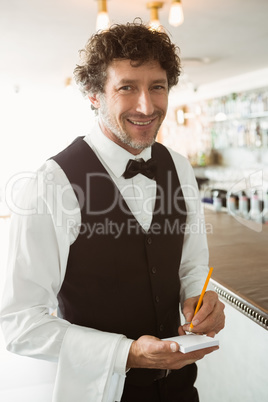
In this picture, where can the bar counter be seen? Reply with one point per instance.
(239, 256)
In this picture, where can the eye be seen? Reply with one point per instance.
(125, 88)
(159, 87)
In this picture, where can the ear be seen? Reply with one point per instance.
(94, 99)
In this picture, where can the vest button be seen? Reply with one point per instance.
(154, 270)
(157, 299)
(161, 327)
(149, 240)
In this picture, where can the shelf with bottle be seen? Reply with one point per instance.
(250, 133)
(244, 105)
(238, 120)
(233, 121)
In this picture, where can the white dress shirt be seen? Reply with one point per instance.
(46, 220)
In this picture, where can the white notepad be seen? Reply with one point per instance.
(191, 342)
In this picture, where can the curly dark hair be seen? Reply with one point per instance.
(132, 41)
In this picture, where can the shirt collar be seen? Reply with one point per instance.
(111, 154)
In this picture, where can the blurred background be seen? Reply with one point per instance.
(219, 107)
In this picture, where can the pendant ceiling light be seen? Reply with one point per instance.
(103, 21)
(176, 17)
(154, 6)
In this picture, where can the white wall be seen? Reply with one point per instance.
(185, 93)
(238, 371)
(38, 122)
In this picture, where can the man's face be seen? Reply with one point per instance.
(134, 104)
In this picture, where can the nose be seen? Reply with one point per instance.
(144, 103)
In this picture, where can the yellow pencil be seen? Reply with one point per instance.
(201, 297)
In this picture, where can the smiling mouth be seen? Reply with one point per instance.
(140, 123)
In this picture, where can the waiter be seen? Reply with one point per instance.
(106, 233)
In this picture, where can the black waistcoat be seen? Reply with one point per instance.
(123, 283)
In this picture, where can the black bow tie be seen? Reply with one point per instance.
(134, 167)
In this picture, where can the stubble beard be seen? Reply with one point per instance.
(122, 135)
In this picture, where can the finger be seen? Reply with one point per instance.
(189, 308)
(208, 307)
(211, 334)
(213, 323)
(209, 302)
(181, 331)
(189, 316)
(216, 320)
(207, 351)
(171, 347)
(199, 354)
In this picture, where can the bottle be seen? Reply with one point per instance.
(255, 211)
(265, 209)
(243, 205)
(231, 204)
(258, 135)
(217, 202)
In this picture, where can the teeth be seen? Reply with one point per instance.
(141, 123)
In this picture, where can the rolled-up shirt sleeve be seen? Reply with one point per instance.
(44, 225)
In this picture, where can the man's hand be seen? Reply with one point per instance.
(210, 318)
(151, 352)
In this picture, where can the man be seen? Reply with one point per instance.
(113, 248)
